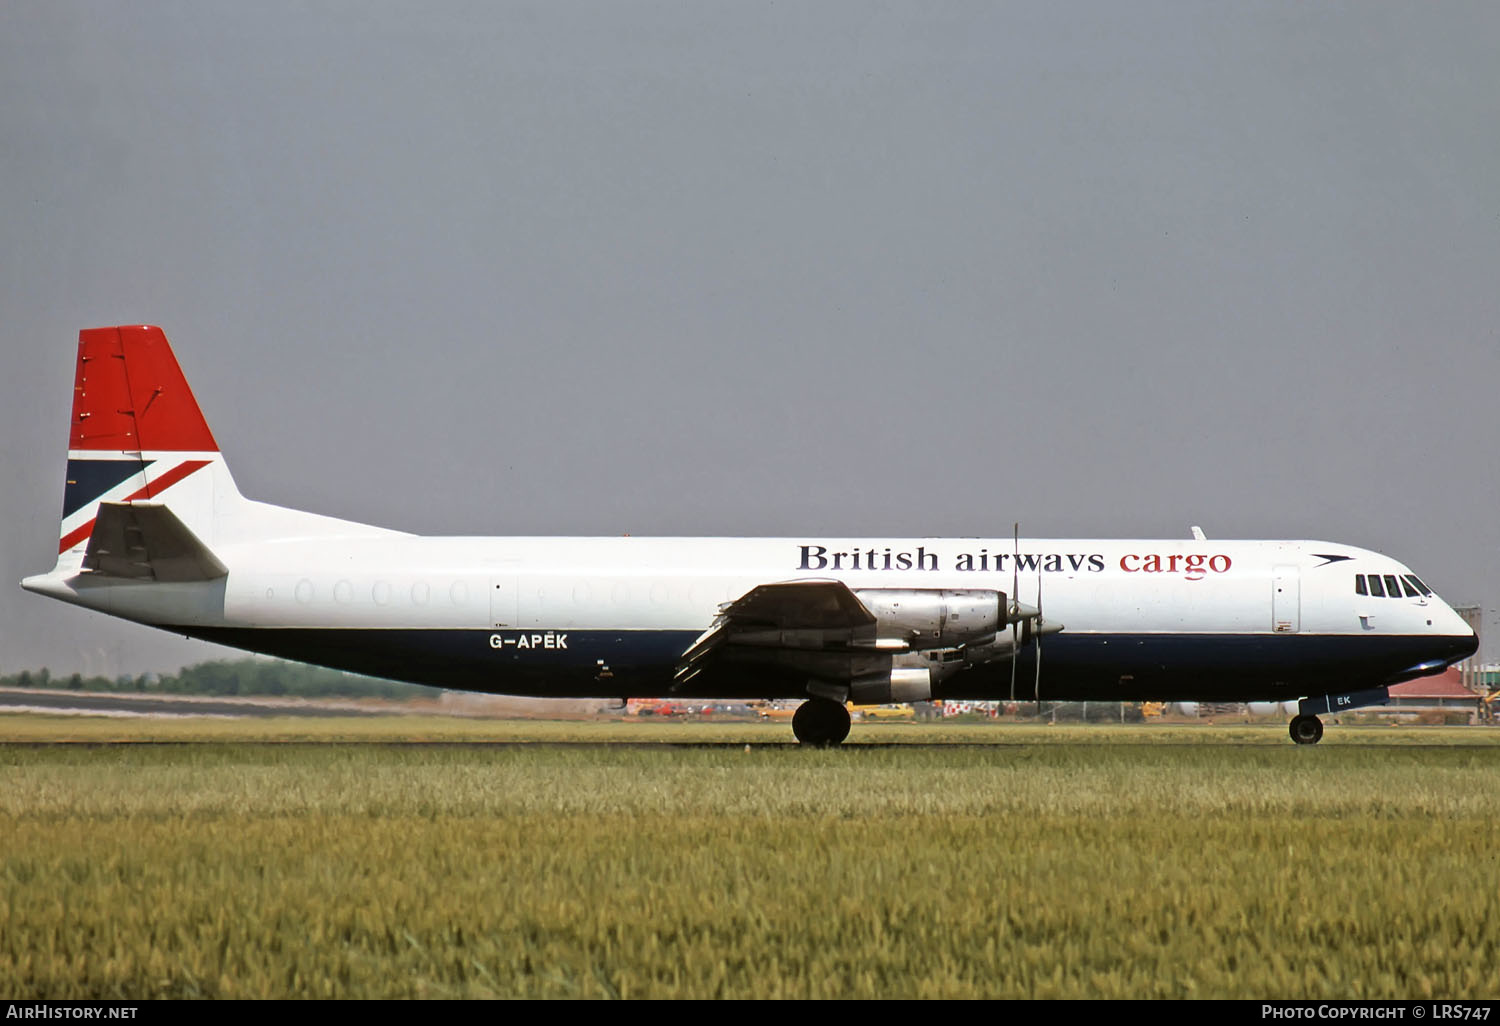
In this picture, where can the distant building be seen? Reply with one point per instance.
(1443, 691)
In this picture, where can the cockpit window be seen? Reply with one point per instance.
(1414, 579)
(1390, 586)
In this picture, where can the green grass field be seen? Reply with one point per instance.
(420, 728)
(1063, 862)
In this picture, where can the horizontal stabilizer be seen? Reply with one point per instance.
(146, 541)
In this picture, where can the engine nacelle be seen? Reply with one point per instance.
(900, 685)
(935, 618)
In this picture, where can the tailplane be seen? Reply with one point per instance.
(145, 541)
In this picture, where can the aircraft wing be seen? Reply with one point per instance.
(798, 604)
(800, 616)
(146, 541)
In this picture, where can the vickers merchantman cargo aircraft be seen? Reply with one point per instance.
(154, 530)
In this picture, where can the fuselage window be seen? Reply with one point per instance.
(1411, 592)
(1359, 585)
(1414, 579)
(1375, 588)
(1391, 587)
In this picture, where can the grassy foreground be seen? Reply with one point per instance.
(43, 728)
(1033, 870)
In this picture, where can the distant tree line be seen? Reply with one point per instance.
(230, 677)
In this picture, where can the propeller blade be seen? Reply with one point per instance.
(1015, 609)
(1039, 675)
(1037, 687)
(1015, 649)
(1015, 566)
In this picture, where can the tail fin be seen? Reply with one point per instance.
(138, 439)
(136, 434)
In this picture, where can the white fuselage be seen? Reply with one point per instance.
(542, 615)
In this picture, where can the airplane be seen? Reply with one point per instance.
(155, 531)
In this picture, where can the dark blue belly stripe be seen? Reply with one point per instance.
(624, 663)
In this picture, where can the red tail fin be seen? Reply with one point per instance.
(129, 395)
(134, 423)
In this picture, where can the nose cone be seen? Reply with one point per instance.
(1463, 647)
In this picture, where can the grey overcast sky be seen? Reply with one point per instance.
(747, 268)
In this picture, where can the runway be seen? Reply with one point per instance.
(85, 703)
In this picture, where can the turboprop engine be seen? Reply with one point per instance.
(953, 619)
(935, 618)
(902, 620)
(869, 645)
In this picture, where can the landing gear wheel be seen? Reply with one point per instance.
(1306, 730)
(821, 721)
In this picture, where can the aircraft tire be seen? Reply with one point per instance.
(1306, 730)
(821, 722)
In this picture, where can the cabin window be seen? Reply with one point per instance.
(1375, 588)
(1392, 588)
(1359, 585)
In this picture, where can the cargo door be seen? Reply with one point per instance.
(1286, 600)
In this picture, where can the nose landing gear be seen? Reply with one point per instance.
(1306, 730)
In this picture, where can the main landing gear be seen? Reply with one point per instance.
(1306, 730)
(821, 721)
